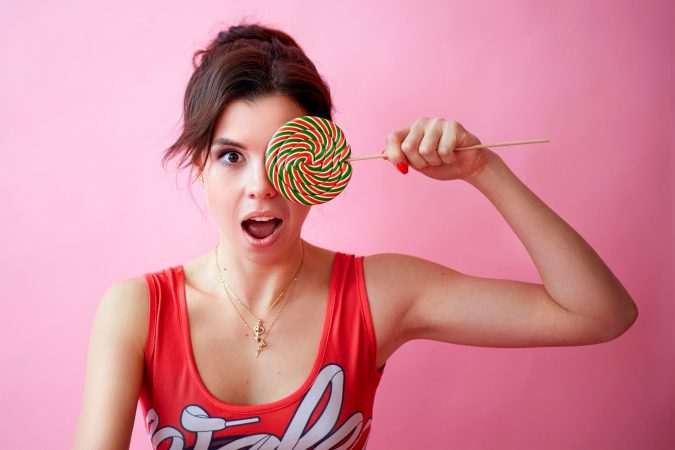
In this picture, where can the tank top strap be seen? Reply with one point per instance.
(164, 306)
(352, 335)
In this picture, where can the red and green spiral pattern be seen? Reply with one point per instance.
(307, 160)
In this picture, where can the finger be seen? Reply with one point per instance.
(429, 145)
(393, 148)
(411, 143)
(448, 142)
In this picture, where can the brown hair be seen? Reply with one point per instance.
(245, 62)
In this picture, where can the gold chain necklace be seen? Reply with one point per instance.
(259, 329)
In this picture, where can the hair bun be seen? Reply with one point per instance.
(254, 32)
(244, 62)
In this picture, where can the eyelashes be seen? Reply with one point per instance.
(231, 157)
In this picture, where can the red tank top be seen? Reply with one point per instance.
(331, 410)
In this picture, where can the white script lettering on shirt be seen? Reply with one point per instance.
(195, 419)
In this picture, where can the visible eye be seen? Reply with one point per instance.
(231, 157)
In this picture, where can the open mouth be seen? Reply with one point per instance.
(260, 229)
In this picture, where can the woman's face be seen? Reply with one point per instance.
(236, 184)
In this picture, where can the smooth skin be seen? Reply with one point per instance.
(580, 301)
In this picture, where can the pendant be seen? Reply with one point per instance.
(259, 330)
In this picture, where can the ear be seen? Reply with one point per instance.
(197, 168)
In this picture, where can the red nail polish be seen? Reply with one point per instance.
(402, 167)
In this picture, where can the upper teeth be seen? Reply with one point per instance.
(261, 218)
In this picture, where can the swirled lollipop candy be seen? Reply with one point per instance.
(307, 160)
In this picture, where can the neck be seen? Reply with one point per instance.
(258, 284)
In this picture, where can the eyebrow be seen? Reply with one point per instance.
(221, 141)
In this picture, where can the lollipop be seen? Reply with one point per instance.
(308, 159)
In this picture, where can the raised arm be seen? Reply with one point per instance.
(580, 301)
(114, 368)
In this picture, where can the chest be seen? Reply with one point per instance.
(224, 347)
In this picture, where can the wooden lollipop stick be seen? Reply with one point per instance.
(472, 147)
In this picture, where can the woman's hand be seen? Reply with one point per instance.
(429, 144)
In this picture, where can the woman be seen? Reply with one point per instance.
(270, 342)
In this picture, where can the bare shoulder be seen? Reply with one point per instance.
(393, 278)
(124, 308)
(390, 281)
(130, 289)
(394, 275)
(114, 367)
(388, 264)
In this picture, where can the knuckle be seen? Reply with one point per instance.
(452, 131)
(438, 121)
(426, 150)
(421, 121)
(445, 152)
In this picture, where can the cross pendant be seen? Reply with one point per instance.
(261, 344)
(259, 330)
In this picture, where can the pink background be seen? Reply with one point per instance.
(91, 95)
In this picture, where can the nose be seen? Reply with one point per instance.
(259, 185)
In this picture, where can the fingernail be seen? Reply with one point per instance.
(402, 167)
